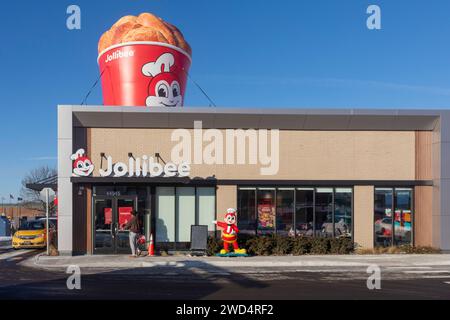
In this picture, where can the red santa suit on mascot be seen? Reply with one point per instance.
(230, 232)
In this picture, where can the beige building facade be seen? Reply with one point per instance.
(373, 175)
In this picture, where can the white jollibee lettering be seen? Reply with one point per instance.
(119, 54)
(144, 167)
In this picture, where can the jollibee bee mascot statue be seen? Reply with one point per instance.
(229, 233)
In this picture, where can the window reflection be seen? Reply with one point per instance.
(325, 212)
(304, 212)
(343, 212)
(247, 211)
(285, 212)
(393, 216)
(266, 211)
(403, 216)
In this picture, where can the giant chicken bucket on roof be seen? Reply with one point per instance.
(144, 61)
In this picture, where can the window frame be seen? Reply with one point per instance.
(393, 206)
(255, 189)
(175, 244)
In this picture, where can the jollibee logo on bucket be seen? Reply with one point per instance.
(118, 55)
(164, 87)
(144, 61)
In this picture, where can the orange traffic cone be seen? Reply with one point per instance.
(151, 247)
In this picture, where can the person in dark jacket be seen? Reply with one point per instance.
(134, 228)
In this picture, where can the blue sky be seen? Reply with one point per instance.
(271, 53)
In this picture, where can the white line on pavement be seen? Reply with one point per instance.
(435, 277)
(12, 254)
(405, 268)
(427, 271)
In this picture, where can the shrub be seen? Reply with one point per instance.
(320, 245)
(418, 250)
(279, 245)
(214, 246)
(341, 246)
(261, 246)
(283, 246)
(301, 246)
(243, 238)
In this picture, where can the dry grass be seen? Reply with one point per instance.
(398, 250)
(53, 251)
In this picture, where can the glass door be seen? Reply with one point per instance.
(111, 214)
(124, 206)
(403, 216)
(103, 226)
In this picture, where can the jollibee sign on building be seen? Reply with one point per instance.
(136, 167)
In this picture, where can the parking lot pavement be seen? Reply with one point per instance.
(171, 281)
(5, 244)
(11, 254)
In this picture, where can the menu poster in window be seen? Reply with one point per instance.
(108, 215)
(388, 212)
(403, 219)
(124, 215)
(266, 213)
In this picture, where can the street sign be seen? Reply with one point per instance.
(47, 195)
(51, 195)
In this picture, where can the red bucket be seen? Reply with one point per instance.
(148, 74)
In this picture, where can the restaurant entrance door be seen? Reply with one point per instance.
(110, 217)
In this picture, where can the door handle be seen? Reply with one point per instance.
(113, 230)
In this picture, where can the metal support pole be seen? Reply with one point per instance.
(46, 213)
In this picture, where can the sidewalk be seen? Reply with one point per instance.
(231, 264)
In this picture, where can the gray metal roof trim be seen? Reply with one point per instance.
(283, 119)
(262, 111)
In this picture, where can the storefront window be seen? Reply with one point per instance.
(285, 212)
(383, 216)
(403, 216)
(266, 211)
(324, 212)
(393, 216)
(177, 209)
(165, 214)
(343, 212)
(304, 211)
(185, 216)
(247, 210)
(206, 199)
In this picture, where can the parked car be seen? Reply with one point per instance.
(32, 234)
(53, 221)
(383, 227)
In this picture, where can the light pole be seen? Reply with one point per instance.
(19, 204)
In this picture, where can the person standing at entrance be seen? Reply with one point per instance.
(134, 228)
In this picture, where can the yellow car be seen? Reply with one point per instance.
(31, 234)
